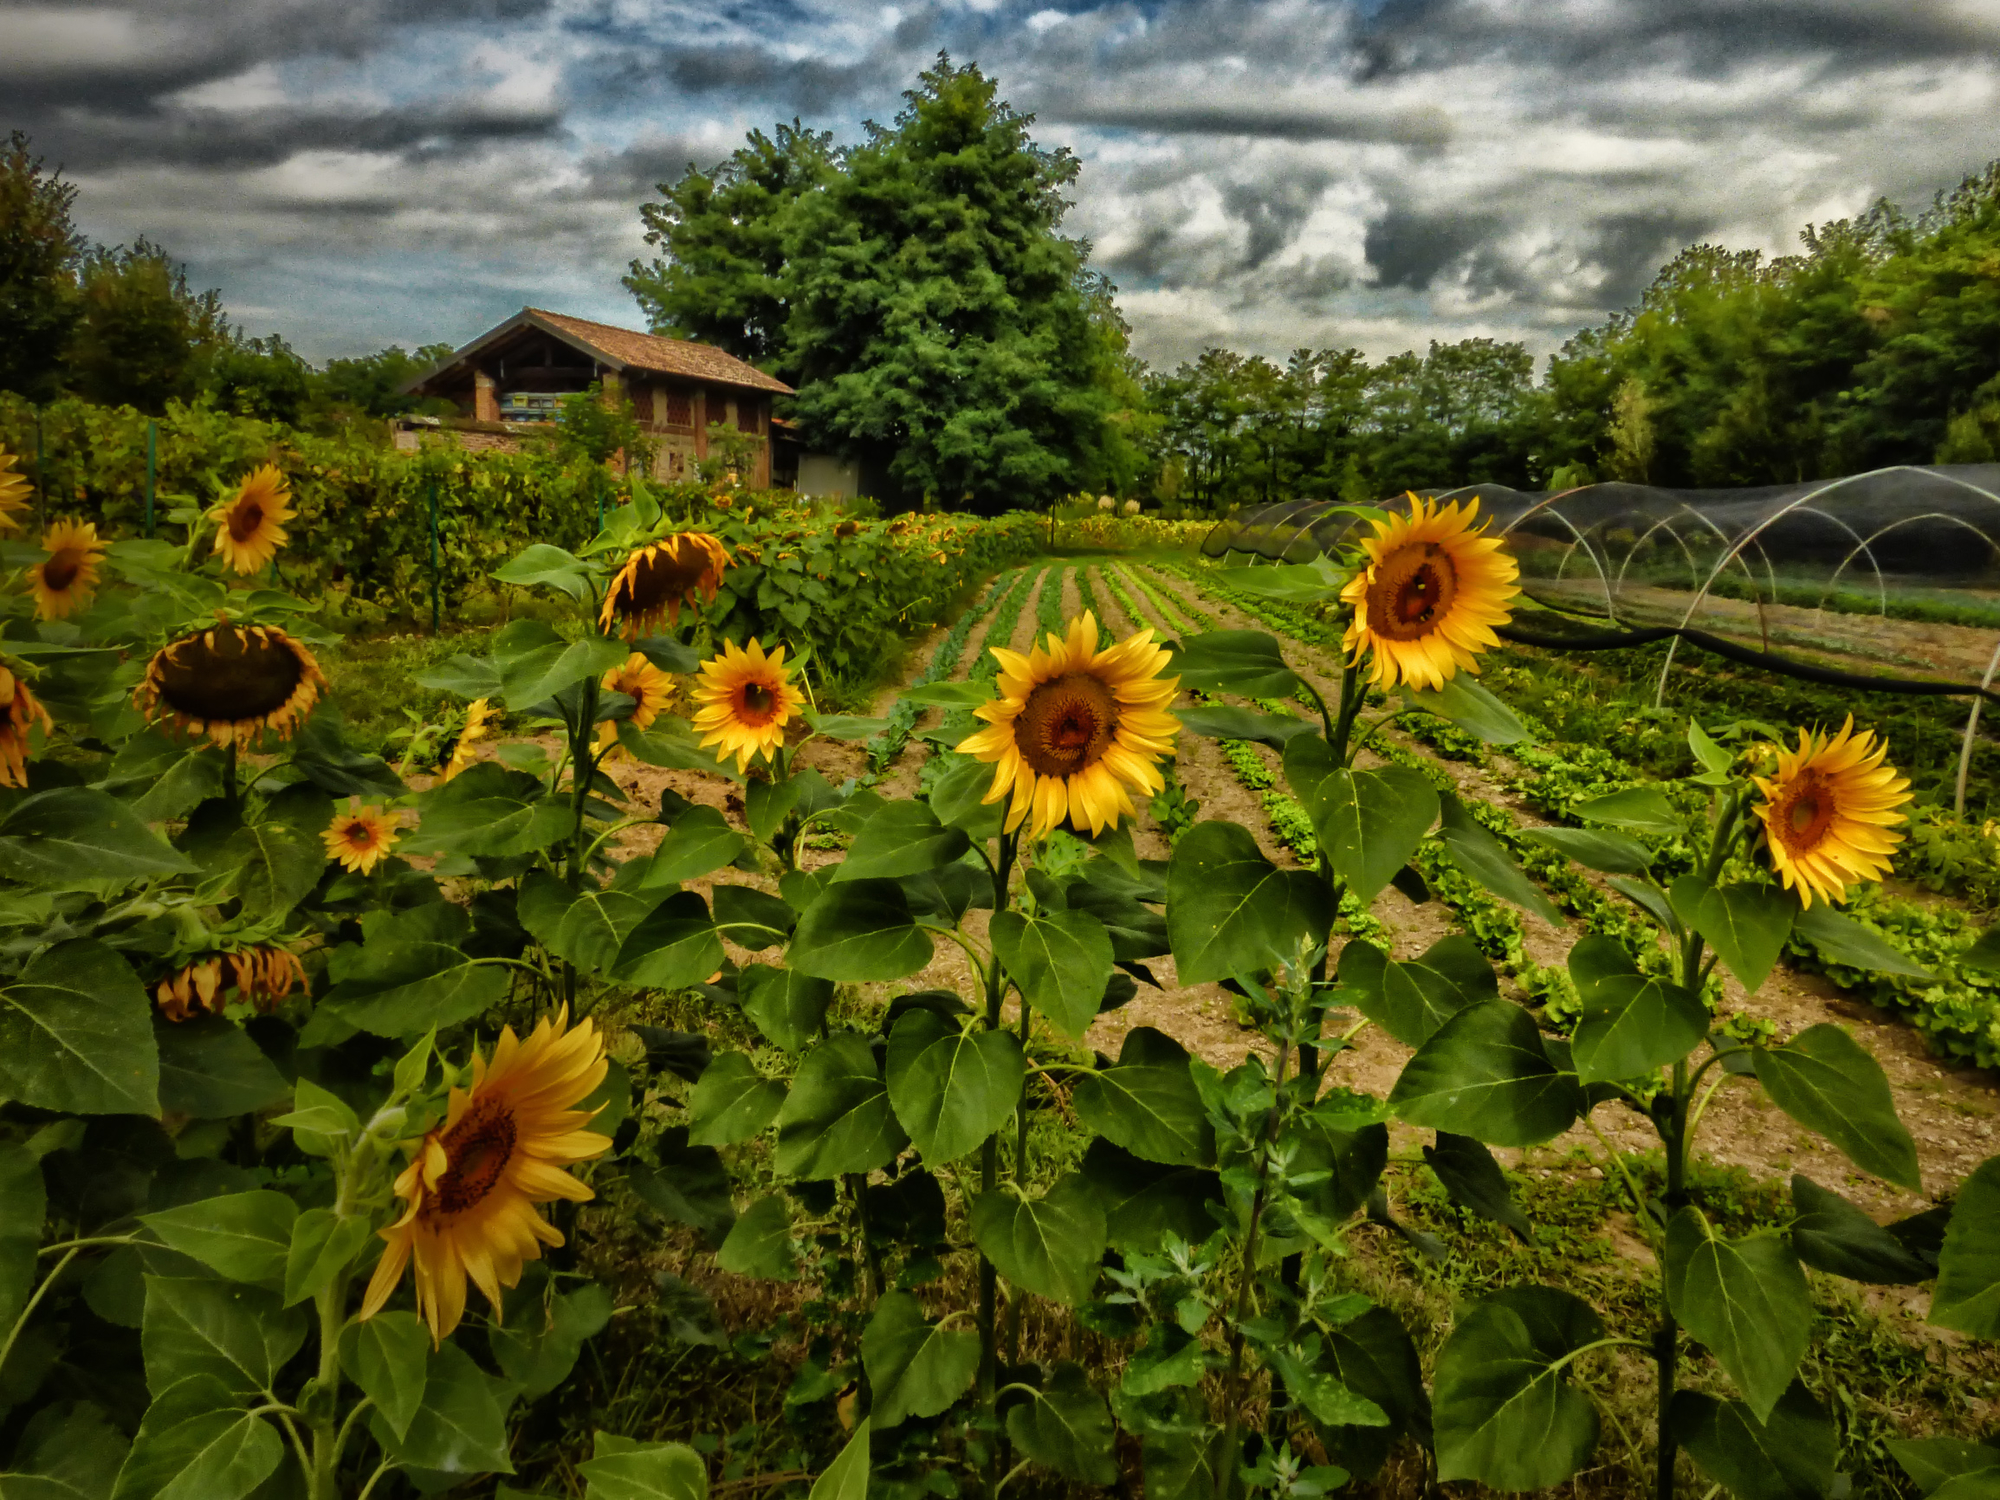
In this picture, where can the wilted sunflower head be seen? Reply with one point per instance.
(479, 718)
(232, 682)
(262, 975)
(1830, 813)
(64, 582)
(19, 714)
(657, 580)
(1426, 602)
(746, 699)
(249, 527)
(14, 492)
(361, 837)
(1076, 730)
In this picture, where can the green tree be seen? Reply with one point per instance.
(40, 251)
(146, 337)
(261, 378)
(372, 384)
(940, 327)
(721, 277)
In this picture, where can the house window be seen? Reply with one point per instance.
(680, 409)
(746, 416)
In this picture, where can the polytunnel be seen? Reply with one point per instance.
(1883, 581)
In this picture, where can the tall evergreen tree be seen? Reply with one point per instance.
(939, 326)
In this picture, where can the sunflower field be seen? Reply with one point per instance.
(686, 1090)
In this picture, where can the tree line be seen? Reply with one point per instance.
(121, 325)
(918, 289)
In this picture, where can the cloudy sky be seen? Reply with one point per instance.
(1257, 173)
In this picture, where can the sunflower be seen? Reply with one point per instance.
(747, 699)
(639, 679)
(64, 583)
(14, 491)
(262, 975)
(472, 1186)
(250, 528)
(1829, 811)
(479, 718)
(361, 837)
(657, 580)
(19, 714)
(1428, 599)
(1074, 728)
(232, 682)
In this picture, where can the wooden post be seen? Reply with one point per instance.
(152, 453)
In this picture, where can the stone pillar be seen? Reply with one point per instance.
(485, 398)
(614, 390)
(700, 422)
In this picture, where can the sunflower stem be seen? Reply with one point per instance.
(1352, 695)
(1232, 1400)
(232, 795)
(989, 1180)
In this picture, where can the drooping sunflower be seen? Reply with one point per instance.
(638, 679)
(1427, 602)
(262, 974)
(746, 699)
(64, 582)
(14, 492)
(657, 580)
(479, 718)
(250, 528)
(19, 714)
(1076, 730)
(1830, 812)
(232, 682)
(361, 837)
(471, 1188)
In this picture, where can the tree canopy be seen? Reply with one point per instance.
(916, 288)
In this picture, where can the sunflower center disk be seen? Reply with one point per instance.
(1804, 821)
(1066, 724)
(759, 703)
(240, 676)
(668, 572)
(245, 520)
(60, 571)
(1412, 593)
(478, 1149)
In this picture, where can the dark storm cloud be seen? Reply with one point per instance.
(1428, 128)
(1273, 211)
(1411, 249)
(239, 140)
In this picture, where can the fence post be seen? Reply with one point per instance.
(431, 490)
(152, 457)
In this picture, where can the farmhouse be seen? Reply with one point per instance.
(514, 377)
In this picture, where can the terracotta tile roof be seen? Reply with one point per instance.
(650, 351)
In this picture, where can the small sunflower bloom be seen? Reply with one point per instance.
(1432, 592)
(1075, 730)
(471, 1189)
(64, 582)
(683, 569)
(361, 837)
(746, 699)
(1830, 813)
(250, 527)
(232, 683)
(479, 718)
(19, 716)
(650, 688)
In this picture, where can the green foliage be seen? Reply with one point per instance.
(40, 250)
